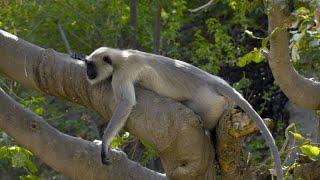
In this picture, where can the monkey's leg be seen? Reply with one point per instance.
(117, 121)
(209, 105)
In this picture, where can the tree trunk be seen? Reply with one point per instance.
(301, 91)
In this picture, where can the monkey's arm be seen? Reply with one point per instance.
(125, 97)
(117, 121)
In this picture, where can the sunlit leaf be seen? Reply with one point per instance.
(297, 136)
(29, 177)
(253, 56)
(309, 150)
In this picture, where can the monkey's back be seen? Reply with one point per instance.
(174, 78)
(183, 82)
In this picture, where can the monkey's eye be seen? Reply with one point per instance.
(107, 59)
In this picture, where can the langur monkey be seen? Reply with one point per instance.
(206, 94)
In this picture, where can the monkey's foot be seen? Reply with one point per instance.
(105, 159)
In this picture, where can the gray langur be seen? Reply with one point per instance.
(206, 94)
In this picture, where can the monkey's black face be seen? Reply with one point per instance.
(99, 65)
(91, 70)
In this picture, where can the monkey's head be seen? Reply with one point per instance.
(99, 65)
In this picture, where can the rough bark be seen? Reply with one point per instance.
(74, 157)
(302, 91)
(171, 128)
(233, 127)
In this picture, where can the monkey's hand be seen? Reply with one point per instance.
(117, 121)
(77, 56)
(105, 156)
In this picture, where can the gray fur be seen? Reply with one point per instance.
(206, 94)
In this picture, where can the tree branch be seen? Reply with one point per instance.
(64, 37)
(74, 157)
(302, 91)
(172, 129)
(201, 7)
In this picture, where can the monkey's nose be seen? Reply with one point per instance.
(91, 70)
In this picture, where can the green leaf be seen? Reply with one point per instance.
(19, 157)
(309, 150)
(254, 56)
(297, 136)
(31, 166)
(118, 141)
(39, 110)
(242, 61)
(257, 57)
(4, 152)
(148, 154)
(29, 177)
(264, 42)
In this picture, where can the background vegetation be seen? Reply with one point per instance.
(225, 39)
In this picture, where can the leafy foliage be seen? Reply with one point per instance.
(228, 33)
(119, 141)
(20, 158)
(306, 146)
(305, 41)
(148, 154)
(252, 56)
(211, 53)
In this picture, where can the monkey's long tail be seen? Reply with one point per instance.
(226, 90)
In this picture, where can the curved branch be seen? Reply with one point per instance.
(74, 157)
(201, 7)
(302, 91)
(171, 128)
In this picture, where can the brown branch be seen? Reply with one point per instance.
(302, 91)
(74, 157)
(171, 128)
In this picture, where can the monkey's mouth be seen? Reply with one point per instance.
(91, 70)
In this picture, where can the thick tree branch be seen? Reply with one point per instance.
(302, 91)
(74, 157)
(171, 128)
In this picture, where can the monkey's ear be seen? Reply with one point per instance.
(107, 59)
